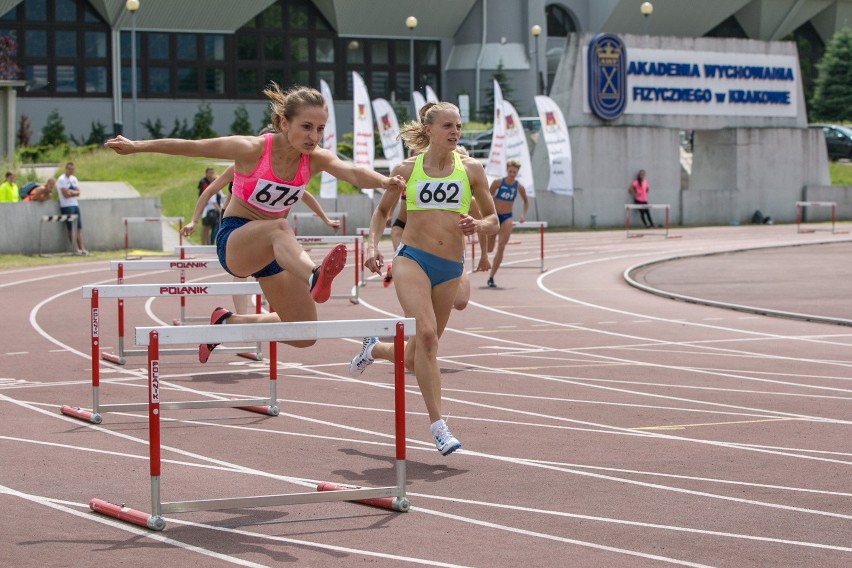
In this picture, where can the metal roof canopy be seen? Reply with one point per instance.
(199, 16)
(386, 18)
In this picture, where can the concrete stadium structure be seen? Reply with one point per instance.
(739, 164)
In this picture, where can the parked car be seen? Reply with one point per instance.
(478, 143)
(838, 140)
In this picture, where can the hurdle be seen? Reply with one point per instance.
(364, 232)
(94, 293)
(800, 213)
(129, 220)
(339, 215)
(123, 291)
(120, 266)
(72, 218)
(526, 225)
(391, 497)
(630, 206)
(356, 245)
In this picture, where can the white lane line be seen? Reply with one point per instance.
(242, 469)
(609, 520)
(586, 544)
(50, 277)
(464, 519)
(67, 507)
(138, 531)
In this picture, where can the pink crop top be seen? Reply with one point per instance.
(264, 191)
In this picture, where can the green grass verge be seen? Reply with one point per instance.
(175, 180)
(840, 173)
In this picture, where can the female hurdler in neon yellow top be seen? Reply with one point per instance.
(425, 193)
(429, 260)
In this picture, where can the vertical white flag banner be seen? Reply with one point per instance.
(328, 185)
(363, 144)
(419, 102)
(496, 166)
(431, 97)
(555, 133)
(389, 132)
(516, 147)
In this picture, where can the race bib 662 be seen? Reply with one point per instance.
(444, 194)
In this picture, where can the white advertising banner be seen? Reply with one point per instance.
(665, 81)
(555, 133)
(363, 142)
(431, 97)
(496, 166)
(517, 148)
(389, 132)
(419, 102)
(328, 185)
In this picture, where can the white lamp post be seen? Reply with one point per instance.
(132, 6)
(411, 23)
(647, 9)
(536, 31)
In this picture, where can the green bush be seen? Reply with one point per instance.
(202, 123)
(53, 133)
(42, 154)
(155, 129)
(181, 130)
(241, 124)
(97, 135)
(832, 100)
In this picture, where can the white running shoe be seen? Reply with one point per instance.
(444, 439)
(363, 359)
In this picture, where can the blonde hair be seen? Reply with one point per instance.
(413, 133)
(287, 104)
(513, 164)
(462, 150)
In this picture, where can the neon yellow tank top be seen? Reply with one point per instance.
(452, 193)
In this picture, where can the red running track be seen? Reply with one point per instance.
(601, 425)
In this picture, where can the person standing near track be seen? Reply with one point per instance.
(271, 173)
(505, 191)
(430, 259)
(68, 188)
(639, 191)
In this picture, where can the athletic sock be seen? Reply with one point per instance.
(313, 277)
(437, 426)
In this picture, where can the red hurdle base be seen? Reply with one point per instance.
(126, 514)
(113, 358)
(80, 414)
(252, 356)
(268, 410)
(383, 502)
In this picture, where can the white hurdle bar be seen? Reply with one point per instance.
(122, 291)
(392, 497)
(341, 215)
(128, 220)
(356, 241)
(800, 205)
(364, 233)
(64, 218)
(635, 206)
(182, 265)
(267, 405)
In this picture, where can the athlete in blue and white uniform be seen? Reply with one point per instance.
(505, 191)
(430, 259)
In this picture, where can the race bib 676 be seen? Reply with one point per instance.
(274, 197)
